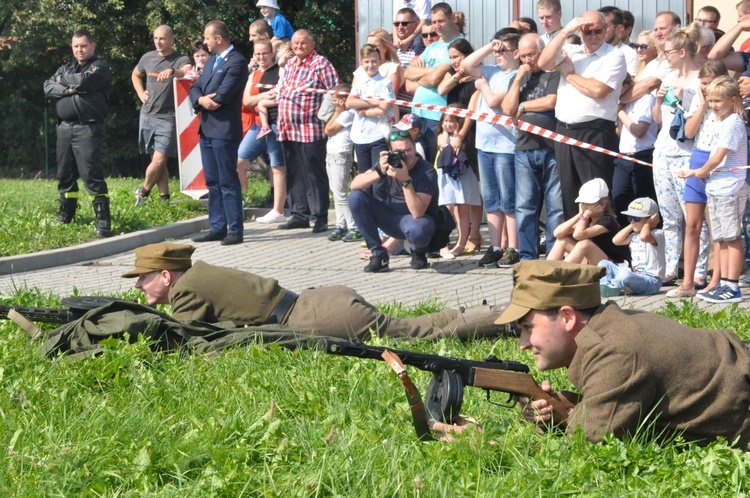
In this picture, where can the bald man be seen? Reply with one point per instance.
(157, 135)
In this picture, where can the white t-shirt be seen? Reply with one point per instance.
(648, 258)
(657, 68)
(421, 7)
(730, 134)
(639, 110)
(607, 65)
(631, 58)
(666, 145)
(366, 130)
(705, 133)
(341, 142)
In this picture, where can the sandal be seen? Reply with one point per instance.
(458, 250)
(474, 245)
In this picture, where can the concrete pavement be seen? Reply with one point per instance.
(298, 259)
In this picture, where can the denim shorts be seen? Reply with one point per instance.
(251, 147)
(497, 175)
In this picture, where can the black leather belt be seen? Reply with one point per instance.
(282, 307)
(594, 123)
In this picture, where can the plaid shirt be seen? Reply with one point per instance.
(298, 121)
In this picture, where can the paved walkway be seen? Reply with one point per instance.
(297, 258)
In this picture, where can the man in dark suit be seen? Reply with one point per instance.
(217, 95)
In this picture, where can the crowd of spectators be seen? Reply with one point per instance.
(586, 80)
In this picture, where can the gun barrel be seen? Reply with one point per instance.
(46, 315)
(429, 362)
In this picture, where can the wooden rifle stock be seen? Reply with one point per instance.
(523, 384)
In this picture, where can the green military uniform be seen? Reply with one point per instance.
(635, 370)
(634, 366)
(213, 294)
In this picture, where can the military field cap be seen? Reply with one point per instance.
(157, 257)
(643, 207)
(593, 191)
(547, 285)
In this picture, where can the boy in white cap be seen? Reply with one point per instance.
(281, 27)
(646, 251)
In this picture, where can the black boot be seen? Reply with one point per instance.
(67, 210)
(103, 218)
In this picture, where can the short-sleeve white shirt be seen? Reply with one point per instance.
(631, 58)
(640, 110)
(421, 7)
(730, 134)
(607, 65)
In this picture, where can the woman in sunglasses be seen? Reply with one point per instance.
(672, 153)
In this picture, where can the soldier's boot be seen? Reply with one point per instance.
(103, 218)
(67, 211)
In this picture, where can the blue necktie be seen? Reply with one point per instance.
(216, 63)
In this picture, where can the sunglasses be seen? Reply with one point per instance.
(431, 34)
(398, 134)
(642, 46)
(402, 24)
(587, 32)
(634, 219)
(503, 51)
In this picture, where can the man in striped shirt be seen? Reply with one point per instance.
(301, 133)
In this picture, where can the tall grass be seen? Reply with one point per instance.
(264, 421)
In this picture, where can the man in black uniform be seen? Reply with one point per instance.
(82, 89)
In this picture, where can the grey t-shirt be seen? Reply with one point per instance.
(160, 102)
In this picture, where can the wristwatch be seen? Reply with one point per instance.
(521, 108)
(406, 183)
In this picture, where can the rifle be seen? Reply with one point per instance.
(450, 375)
(77, 307)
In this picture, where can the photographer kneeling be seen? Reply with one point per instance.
(410, 209)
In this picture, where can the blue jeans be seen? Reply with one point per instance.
(428, 138)
(497, 174)
(370, 213)
(624, 278)
(536, 180)
(251, 148)
(224, 191)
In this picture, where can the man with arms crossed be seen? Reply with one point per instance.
(591, 77)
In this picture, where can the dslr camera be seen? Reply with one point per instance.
(395, 157)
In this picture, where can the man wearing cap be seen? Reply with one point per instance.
(635, 370)
(410, 210)
(211, 294)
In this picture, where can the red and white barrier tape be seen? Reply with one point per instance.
(487, 118)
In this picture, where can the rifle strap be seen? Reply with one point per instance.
(26, 324)
(418, 412)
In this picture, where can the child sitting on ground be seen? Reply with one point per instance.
(646, 251)
(588, 235)
(339, 151)
(725, 185)
(282, 29)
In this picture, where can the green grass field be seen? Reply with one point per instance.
(29, 210)
(133, 423)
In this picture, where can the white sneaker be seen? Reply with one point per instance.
(272, 217)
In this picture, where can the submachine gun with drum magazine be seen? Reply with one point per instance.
(449, 376)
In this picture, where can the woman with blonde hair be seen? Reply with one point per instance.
(390, 67)
(637, 136)
(672, 152)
